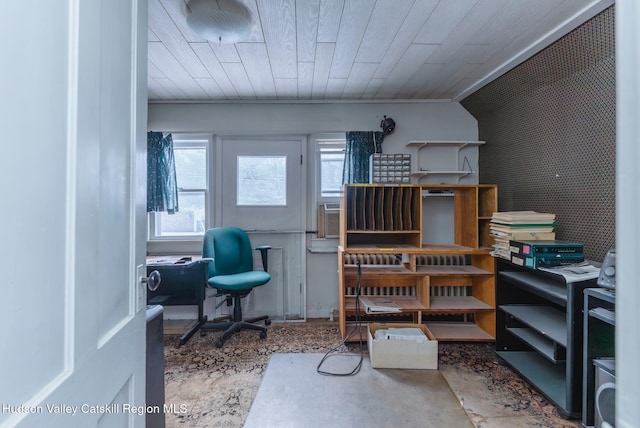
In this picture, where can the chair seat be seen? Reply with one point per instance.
(239, 281)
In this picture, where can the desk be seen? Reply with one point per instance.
(599, 341)
(183, 282)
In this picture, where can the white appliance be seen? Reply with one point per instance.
(329, 220)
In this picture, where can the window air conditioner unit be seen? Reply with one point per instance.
(329, 220)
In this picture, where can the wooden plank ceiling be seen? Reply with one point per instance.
(355, 49)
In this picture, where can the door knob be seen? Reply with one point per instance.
(152, 281)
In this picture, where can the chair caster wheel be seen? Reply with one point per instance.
(267, 322)
(219, 344)
(263, 335)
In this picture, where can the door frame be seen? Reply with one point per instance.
(217, 196)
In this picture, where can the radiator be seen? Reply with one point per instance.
(421, 260)
(372, 259)
(377, 259)
(445, 260)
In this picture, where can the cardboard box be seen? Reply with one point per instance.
(402, 354)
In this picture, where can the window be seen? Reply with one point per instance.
(262, 180)
(331, 161)
(191, 155)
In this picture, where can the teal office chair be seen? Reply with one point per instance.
(231, 274)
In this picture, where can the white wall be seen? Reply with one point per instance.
(414, 121)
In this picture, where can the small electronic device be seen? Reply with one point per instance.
(552, 248)
(607, 278)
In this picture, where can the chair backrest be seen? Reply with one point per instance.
(230, 249)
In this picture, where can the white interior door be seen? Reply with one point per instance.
(73, 216)
(262, 189)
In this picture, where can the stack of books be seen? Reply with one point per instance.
(518, 226)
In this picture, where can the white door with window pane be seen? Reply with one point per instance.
(263, 192)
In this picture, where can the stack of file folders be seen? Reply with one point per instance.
(519, 225)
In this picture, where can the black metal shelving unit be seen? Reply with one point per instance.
(599, 336)
(539, 331)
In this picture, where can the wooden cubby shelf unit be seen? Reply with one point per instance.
(448, 286)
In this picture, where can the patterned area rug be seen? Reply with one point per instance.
(216, 386)
(211, 387)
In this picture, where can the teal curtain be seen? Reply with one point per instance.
(162, 188)
(360, 145)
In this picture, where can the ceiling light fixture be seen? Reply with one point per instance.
(222, 21)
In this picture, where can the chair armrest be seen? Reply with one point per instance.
(264, 253)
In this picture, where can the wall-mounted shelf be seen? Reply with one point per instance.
(458, 144)
(459, 155)
(419, 174)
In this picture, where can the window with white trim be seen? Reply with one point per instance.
(191, 156)
(330, 164)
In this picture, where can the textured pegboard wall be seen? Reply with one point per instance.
(549, 127)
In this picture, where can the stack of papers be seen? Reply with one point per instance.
(519, 226)
(576, 272)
